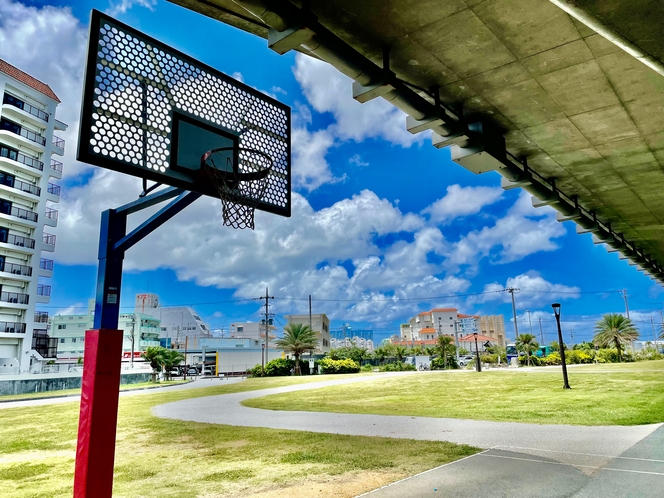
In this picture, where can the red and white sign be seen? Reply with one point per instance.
(127, 354)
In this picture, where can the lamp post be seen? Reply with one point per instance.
(477, 354)
(556, 311)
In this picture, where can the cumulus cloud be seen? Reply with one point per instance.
(123, 6)
(462, 201)
(57, 59)
(534, 290)
(523, 231)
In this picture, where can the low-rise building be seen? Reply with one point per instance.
(430, 325)
(69, 330)
(320, 324)
(253, 330)
(347, 336)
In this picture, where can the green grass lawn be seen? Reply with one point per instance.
(74, 392)
(169, 458)
(617, 394)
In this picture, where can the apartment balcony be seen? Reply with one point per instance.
(46, 346)
(22, 110)
(56, 169)
(41, 316)
(15, 159)
(14, 300)
(18, 243)
(43, 293)
(23, 189)
(60, 126)
(53, 192)
(13, 213)
(51, 217)
(12, 328)
(46, 268)
(14, 133)
(58, 146)
(16, 272)
(48, 239)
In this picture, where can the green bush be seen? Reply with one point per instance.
(366, 368)
(491, 359)
(551, 359)
(438, 364)
(398, 366)
(534, 361)
(330, 366)
(607, 355)
(279, 367)
(576, 357)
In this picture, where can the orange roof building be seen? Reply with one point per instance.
(28, 80)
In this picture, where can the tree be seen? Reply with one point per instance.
(615, 330)
(170, 358)
(382, 352)
(297, 339)
(154, 356)
(400, 351)
(444, 345)
(526, 343)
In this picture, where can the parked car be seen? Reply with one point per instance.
(175, 372)
(209, 371)
(466, 360)
(192, 371)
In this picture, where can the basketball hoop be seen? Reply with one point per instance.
(240, 188)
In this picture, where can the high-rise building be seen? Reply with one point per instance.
(27, 193)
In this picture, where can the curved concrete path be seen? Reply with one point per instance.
(580, 446)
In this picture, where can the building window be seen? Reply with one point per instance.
(62, 326)
(62, 340)
(240, 329)
(73, 339)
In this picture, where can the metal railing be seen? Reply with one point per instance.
(48, 238)
(20, 241)
(43, 290)
(17, 269)
(51, 214)
(22, 158)
(59, 142)
(56, 165)
(30, 109)
(32, 136)
(54, 189)
(26, 187)
(14, 297)
(46, 264)
(41, 316)
(12, 328)
(24, 214)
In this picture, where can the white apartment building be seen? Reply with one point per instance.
(253, 330)
(430, 325)
(320, 324)
(348, 342)
(27, 193)
(69, 332)
(180, 324)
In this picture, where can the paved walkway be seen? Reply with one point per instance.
(198, 383)
(586, 448)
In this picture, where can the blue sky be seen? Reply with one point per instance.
(383, 226)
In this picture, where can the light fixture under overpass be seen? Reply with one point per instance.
(474, 145)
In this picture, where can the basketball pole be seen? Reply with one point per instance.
(95, 451)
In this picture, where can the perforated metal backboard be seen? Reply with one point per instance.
(151, 111)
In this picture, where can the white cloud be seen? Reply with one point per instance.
(123, 6)
(356, 159)
(534, 291)
(310, 169)
(523, 231)
(50, 44)
(327, 90)
(462, 201)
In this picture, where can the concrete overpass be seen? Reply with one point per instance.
(563, 98)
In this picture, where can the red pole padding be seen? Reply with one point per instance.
(100, 390)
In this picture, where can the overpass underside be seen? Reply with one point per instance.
(568, 104)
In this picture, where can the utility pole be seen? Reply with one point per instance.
(456, 340)
(133, 324)
(512, 290)
(530, 322)
(654, 334)
(624, 295)
(541, 333)
(571, 333)
(310, 322)
(267, 298)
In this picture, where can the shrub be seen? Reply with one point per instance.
(491, 359)
(367, 368)
(576, 357)
(607, 355)
(551, 359)
(398, 366)
(279, 367)
(534, 361)
(438, 364)
(330, 366)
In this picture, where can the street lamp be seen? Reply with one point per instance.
(556, 311)
(477, 354)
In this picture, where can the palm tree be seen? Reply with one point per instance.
(297, 339)
(615, 330)
(154, 355)
(526, 343)
(400, 351)
(443, 346)
(171, 358)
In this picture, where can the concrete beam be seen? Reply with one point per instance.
(536, 202)
(364, 94)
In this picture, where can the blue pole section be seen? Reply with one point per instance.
(109, 273)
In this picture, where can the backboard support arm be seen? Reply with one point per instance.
(95, 452)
